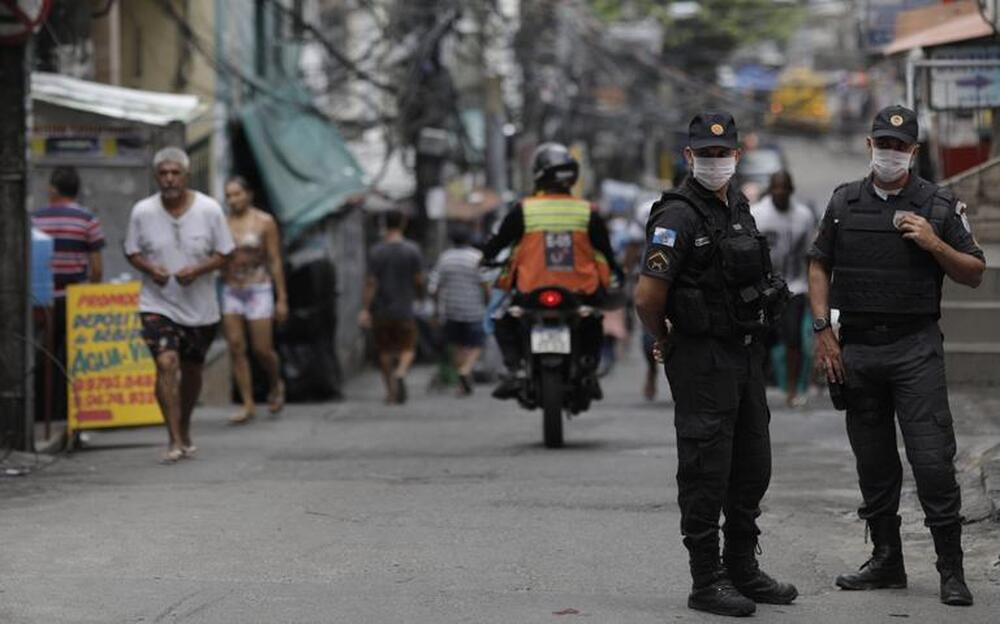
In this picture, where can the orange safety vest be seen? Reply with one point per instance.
(555, 249)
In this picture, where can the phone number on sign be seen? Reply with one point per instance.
(114, 382)
(109, 399)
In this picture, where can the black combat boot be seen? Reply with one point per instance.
(740, 558)
(884, 570)
(713, 591)
(948, 545)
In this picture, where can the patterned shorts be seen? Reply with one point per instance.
(190, 343)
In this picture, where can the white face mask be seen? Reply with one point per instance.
(713, 173)
(889, 165)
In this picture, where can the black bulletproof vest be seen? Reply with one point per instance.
(711, 293)
(875, 269)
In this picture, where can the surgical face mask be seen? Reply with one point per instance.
(889, 165)
(714, 173)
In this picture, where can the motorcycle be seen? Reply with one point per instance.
(556, 381)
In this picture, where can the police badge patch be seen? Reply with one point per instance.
(657, 262)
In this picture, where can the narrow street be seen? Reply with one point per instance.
(442, 511)
(312, 175)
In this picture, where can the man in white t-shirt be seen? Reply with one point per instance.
(178, 239)
(789, 227)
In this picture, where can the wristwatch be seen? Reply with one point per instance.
(820, 324)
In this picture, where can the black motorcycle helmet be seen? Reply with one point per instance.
(554, 168)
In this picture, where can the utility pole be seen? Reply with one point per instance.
(493, 109)
(16, 415)
(222, 165)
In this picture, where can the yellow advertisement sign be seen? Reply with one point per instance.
(112, 377)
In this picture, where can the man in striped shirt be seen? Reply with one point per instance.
(461, 295)
(77, 242)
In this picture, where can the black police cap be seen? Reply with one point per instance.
(713, 129)
(897, 122)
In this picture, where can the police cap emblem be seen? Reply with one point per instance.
(717, 129)
(896, 120)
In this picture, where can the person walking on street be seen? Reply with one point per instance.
(706, 271)
(880, 257)
(395, 281)
(77, 243)
(461, 296)
(178, 239)
(789, 227)
(253, 297)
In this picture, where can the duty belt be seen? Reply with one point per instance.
(881, 334)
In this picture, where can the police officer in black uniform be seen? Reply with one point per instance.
(886, 243)
(707, 270)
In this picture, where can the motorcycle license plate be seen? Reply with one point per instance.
(550, 340)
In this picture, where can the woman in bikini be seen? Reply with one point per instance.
(253, 297)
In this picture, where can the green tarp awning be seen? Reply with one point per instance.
(302, 159)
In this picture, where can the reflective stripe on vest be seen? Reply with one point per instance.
(556, 215)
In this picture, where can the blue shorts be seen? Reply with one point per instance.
(464, 334)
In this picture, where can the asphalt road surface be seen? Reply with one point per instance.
(441, 511)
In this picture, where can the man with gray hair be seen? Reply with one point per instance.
(177, 238)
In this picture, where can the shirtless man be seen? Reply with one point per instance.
(252, 280)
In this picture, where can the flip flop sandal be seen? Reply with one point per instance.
(189, 451)
(241, 418)
(172, 456)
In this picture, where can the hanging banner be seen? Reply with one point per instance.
(112, 377)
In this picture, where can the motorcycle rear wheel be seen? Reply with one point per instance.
(552, 407)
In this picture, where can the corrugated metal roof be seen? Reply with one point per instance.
(959, 28)
(150, 107)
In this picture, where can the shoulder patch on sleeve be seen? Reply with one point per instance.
(657, 262)
(664, 237)
(960, 210)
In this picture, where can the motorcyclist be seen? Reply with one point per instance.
(559, 241)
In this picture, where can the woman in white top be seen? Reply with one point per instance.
(253, 297)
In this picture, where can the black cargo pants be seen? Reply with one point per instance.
(906, 378)
(723, 437)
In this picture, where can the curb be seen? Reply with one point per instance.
(54, 445)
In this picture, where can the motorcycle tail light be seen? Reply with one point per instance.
(550, 298)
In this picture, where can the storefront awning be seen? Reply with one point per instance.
(941, 25)
(303, 161)
(149, 107)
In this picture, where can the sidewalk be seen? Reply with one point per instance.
(976, 414)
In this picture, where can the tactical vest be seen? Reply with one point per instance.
(875, 269)
(555, 249)
(725, 287)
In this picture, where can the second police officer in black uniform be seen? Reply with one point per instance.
(886, 243)
(706, 268)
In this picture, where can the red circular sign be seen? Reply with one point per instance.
(20, 18)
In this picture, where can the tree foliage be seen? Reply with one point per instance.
(718, 27)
